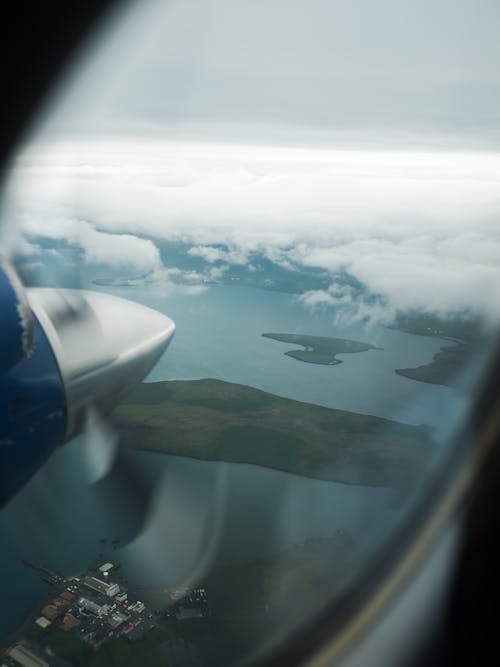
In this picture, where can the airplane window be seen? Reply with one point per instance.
(314, 204)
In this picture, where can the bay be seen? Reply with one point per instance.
(219, 335)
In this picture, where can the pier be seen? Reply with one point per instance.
(49, 576)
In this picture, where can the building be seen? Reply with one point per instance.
(67, 595)
(92, 607)
(26, 658)
(138, 607)
(106, 567)
(110, 590)
(113, 589)
(117, 618)
(43, 622)
(69, 622)
(134, 630)
(51, 612)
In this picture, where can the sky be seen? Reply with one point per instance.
(347, 136)
(292, 70)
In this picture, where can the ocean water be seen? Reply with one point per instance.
(219, 335)
(207, 512)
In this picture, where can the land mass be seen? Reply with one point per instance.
(464, 335)
(257, 605)
(234, 610)
(221, 421)
(319, 349)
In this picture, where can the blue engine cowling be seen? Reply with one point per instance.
(32, 398)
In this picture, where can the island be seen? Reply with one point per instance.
(320, 349)
(222, 421)
(464, 337)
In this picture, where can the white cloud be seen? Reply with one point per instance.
(420, 229)
(217, 272)
(212, 255)
(350, 304)
(421, 272)
(115, 249)
(120, 250)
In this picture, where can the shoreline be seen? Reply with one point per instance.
(316, 478)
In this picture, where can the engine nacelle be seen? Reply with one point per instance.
(62, 352)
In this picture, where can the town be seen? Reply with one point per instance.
(95, 607)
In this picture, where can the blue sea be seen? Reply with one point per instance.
(206, 512)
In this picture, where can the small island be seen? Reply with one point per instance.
(221, 421)
(320, 349)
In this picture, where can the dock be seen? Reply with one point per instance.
(48, 575)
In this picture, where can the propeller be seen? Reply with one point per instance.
(67, 359)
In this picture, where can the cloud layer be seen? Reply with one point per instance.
(418, 229)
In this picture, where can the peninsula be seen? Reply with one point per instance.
(221, 421)
(319, 349)
(463, 336)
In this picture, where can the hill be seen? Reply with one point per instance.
(221, 421)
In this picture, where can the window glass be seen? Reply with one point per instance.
(310, 191)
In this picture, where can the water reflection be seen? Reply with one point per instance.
(239, 513)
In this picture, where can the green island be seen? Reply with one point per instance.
(221, 421)
(320, 349)
(464, 335)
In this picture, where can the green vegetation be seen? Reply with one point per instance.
(256, 605)
(221, 421)
(464, 329)
(116, 653)
(253, 607)
(443, 369)
(464, 334)
(318, 349)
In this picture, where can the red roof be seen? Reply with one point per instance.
(67, 595)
